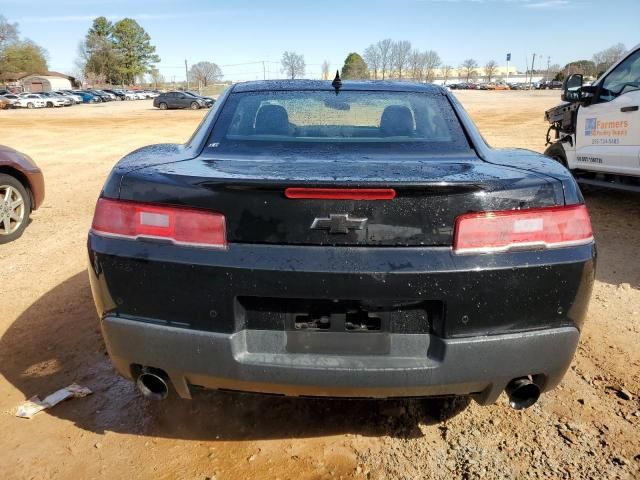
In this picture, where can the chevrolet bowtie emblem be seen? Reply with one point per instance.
(338, 223)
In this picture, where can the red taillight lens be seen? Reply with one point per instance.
(341, 193)
(552, 227)
(183, 226)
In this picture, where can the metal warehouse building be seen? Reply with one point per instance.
(45, 83)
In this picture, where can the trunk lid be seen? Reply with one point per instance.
(429, 195)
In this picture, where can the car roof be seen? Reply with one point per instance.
(347, 85)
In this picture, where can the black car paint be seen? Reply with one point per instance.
(272, 255)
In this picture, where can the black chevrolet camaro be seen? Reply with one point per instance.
(345, 239)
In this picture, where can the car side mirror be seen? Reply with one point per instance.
(587, 94)
(571, 88)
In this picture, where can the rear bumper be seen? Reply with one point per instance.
(416, 365)
(211, 317)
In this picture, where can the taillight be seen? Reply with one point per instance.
(182, 226)
(340, 193)
(551, 227)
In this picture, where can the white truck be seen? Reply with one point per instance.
(597, 127)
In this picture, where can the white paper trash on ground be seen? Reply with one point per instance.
(34, 405)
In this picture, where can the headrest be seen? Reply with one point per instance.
(272, 120)
(396, 120)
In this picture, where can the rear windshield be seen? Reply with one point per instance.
(353, 121)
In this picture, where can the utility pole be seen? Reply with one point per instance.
(548, 65)
(264, 71)
(508, 59)
(533, 61)
(186, 73)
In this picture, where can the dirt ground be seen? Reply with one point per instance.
(588, 428)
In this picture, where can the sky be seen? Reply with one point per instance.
(236, 34)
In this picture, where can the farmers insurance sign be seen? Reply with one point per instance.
(612, 130)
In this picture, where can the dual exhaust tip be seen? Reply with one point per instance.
(154, 385)
(522, 393)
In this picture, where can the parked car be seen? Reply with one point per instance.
(136, 94)
(118, 94)
(21, 192)
(32, 101)
(129, 95)
(179, 100)
(6, 103)
(87, 97)
(208, 100)
(9, 100)
(343, 239)
(100, 96)
(55, 100)
(71, 96)
(110, 95)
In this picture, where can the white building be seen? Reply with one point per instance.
(45, 83)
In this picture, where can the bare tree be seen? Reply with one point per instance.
(431, 61)
(415, 65)
(446, 71)
(469, 68)
(400, 52)
(205, 73)
(325, 70)
(384, 50)
(608, 57)
(372, 57)
(490, 69)
(8, 32)
(293, 64)
(156, 77)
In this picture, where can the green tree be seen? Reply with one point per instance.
(98, 57)
(101, 27)
(135, 53)
(354, 68)
(23, 56)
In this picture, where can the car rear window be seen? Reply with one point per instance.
(386, 121)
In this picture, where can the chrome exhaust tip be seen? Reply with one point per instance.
(522, 393)
(152, 384)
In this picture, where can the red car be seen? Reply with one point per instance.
(21, 192)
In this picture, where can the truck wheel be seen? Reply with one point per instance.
(556, 151)
(15, 206)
